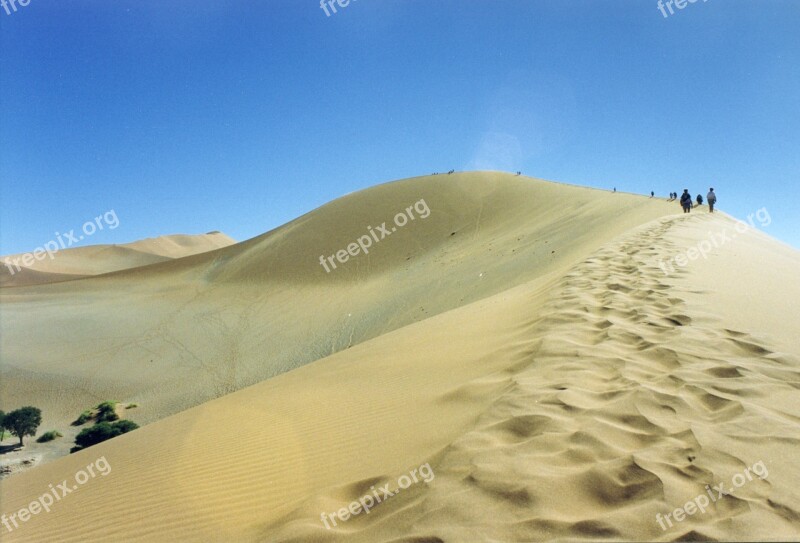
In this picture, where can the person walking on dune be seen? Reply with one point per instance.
(712, 199)
(686, 201)
(699, 199)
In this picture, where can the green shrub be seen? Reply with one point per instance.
(104, 412)
(107, 416)
(103, 431)
(107, 406)
(49, 436)
(85, 417)
(94, 435)
(125, 426)
(107, 412)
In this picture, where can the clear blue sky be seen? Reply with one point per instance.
(190, 116)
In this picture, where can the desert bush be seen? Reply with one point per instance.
(106, 412)
(125, 426)
(49, 436)
(103, 412)
(103, 431)
(84, 417)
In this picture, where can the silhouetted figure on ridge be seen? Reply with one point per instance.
(686, 201)
(712, 199)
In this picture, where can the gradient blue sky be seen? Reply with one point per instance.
(190, 116)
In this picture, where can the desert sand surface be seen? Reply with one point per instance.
(77, 262)
(523, 341)
(175, 334)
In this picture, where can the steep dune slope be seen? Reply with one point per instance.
(172, 335)
(579, 404)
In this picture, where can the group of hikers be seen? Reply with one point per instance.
(687, 203)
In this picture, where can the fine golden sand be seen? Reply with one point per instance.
(522, 341)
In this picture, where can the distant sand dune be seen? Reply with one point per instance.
(78, 262)
(567, 395)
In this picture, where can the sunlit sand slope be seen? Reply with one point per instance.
(172, 335)
(578, 404)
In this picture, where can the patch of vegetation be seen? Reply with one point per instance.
(102, 431)
(49, 436)
(102, 412)
(131, 406)
(84, 417)
(107, 412)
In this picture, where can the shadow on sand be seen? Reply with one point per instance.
(9, 448)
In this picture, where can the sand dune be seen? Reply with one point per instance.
(181, 245)
(78, 262)
(175, 334)
(531, 350)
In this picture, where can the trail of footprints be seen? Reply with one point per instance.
(601, 415)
